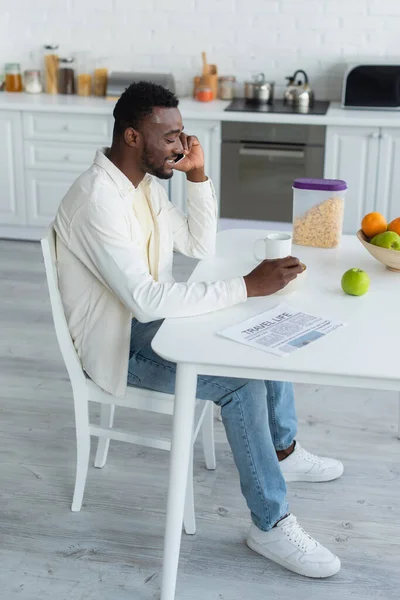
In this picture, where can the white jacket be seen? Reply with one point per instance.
(103, 278)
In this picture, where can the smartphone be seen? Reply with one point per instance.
(179, 158)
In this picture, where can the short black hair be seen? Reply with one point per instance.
(138, 101)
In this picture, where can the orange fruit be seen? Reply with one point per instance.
(395, 226)
(373, 223)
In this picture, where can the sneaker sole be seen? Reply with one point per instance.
(314, 477)
(331, 569)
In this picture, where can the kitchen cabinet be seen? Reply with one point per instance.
(352, 154)
(44, 153)
(46, 142)
(388, 188)
(63, 156)
(209, 134)
(368, 158)
(68, 127)
(44, 190)
(12, 196)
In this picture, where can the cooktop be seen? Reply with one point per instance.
(320, 107)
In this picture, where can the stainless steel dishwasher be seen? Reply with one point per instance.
(259, 163)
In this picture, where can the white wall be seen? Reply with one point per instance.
(241, 36)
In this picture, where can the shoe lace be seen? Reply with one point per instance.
(308, 456)
(296, 534)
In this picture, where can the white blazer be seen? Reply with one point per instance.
(103, 278)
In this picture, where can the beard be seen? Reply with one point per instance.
(150, 166)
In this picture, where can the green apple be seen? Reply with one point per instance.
(388, 239)
(355, 282)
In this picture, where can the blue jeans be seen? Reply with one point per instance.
(259, 418)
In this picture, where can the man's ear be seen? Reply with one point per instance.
(132, 137)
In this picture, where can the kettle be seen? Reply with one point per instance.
(298, 93)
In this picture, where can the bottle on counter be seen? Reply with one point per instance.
(66, 76)
(51, 69)
(32, 81)
(13, 77)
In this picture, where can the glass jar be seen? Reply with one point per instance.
(13, 78)
(66, 76)
(84, 71)
(227, 87)
(84, 84)
(100, 77)
(318, 210)
(204, 93)
(51, 69)
(32, 82)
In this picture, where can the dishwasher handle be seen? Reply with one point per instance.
(270, 152)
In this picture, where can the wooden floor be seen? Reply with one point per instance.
(112, 549)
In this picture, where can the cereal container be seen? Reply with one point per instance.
(318, 210)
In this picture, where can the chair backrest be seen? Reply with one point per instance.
(71, 359)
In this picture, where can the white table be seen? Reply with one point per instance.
(365, 354)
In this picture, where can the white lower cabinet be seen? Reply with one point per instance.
(352, 154)
(41, 155)
(388, 188)
(44, 191)
(62, 156)
(369, 160)
(12, 196)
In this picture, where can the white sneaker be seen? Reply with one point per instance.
(304, 466)
(291, 547)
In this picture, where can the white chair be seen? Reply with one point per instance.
(85, 391)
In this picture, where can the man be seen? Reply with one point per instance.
(116, 232)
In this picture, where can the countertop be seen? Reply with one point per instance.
(212, 111)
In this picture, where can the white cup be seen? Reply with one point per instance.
(274, 245)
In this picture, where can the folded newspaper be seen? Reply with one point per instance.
(281, 330)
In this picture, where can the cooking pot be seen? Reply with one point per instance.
(259, 90)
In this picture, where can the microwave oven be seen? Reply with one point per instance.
(372, 86)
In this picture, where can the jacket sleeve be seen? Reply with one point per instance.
(195, 234)
(100, 238)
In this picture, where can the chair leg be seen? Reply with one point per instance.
(185, 398)
(82, 450)
(207, 433)
(189, 519)
(106, 420)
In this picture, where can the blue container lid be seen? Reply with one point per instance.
(321, 185)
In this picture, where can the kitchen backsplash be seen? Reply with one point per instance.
(242, 37)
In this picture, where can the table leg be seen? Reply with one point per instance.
(182, 429)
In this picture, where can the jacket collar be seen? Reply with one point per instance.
(124, 185)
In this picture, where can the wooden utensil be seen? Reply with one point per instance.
(205, 65)
(208, 78)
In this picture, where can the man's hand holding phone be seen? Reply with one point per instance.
(191, 161)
